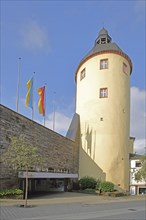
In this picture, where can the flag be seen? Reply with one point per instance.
(29, 95)
(41, 102)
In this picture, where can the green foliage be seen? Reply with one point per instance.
(6, 192)
(106, 186)
(22, 155)
(87, 182)
(98, 184)
(141, 173)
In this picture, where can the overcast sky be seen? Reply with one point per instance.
(52, 37)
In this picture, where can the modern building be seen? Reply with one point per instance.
(98, 140)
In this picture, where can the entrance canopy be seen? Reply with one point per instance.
(22, 174)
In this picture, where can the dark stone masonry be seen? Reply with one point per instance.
(62, 153)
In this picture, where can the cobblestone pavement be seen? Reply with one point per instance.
(46, 207)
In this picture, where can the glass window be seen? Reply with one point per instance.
(138, 164)
(103, 93)
(124, 68)
(83, 74)
(104, 64)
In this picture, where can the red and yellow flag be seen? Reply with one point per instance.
(41, 102)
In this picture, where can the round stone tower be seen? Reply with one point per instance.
(103, 105)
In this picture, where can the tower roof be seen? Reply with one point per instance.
(103, 37)
(103, 44)
(103, 31)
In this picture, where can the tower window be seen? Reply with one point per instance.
(103, 93)
(124, 68)
(98, 41)
(82, 74)
(103, 40)
(104, 64)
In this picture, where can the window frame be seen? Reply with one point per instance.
(104, 65)
(137, 164)
(82, 74)
(101, 94)
(125, 70)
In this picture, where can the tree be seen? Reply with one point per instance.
(141, 173)
(22, 155)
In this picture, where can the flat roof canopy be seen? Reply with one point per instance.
(22, 174)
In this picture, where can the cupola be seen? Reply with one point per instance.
(103, 37)
(104, 44)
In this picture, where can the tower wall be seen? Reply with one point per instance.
(104, 122)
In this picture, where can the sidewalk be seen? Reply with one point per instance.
(70, 197)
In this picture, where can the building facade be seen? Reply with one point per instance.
(103, 104)
(136, 187)
(98, 140)
(61, 152)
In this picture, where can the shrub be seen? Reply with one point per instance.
(98, 184)
(106, 186)
(87, 182)
(9, 192)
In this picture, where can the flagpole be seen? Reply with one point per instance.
(18, 85)
(45, 102)
(54, 112)
(33, 97)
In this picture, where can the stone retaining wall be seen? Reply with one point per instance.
(62, 153)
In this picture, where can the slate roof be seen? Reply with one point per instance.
(100, 47)
(103, 31)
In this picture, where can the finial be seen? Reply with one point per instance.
(103, 24)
